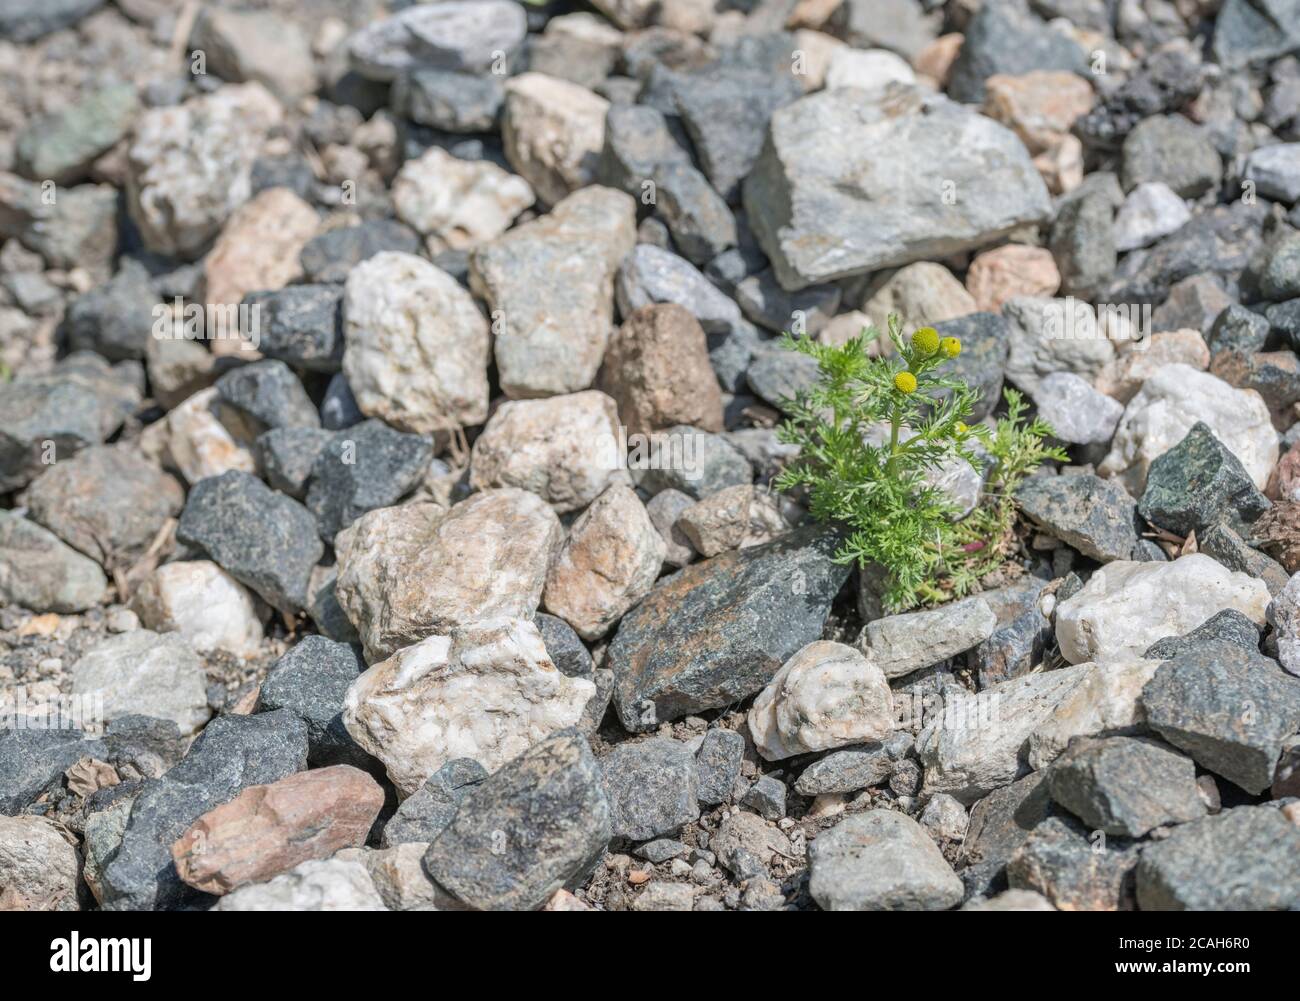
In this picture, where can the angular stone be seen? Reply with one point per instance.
(607, 564)
(115, 318)
(145, 673)
(1123, 377)
(40, 572)
(717, 763)
(695, 462)
(285, 457)
(664, 508)
(901, 644)
(679, 650)
(539, 823)
(701, 225)
(1108, 703)
(999, 824)
(456, 35)
(449, 100)
(34, 759)
(1023, 632)
(1040, 106)
(368, 466)
(1095, 516)
(486, 691)
(331, 255)
(880, 860)
(400, 312)
(1172, 150)
(458, 203)
(815, 226)
(1246, 858)
(1276, 171)
(652, 787)
(564, 449)
(1005, 38)
(1077, 413)
(1126, 606)
(411, 572)
(1062, 862)
(261, 538)
(553, 131)
(1229, 708)
(550, 283)
(317, 885)
(827, 695)
(1049, 336)
(270, 393)
(846, 771)
(1150, 212)
(563, 646)
(311, 681)
(39, 869)
(425, 814)
(1230, 626)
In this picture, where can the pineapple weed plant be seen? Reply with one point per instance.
(871, 429)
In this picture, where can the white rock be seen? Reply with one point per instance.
(1166, 407)
(417, 345)
(145, 673)
(1078, 413)
(901, 644)
(1284, 616)
(974, 746)
(553, 131)
(203, 603)
(945, 817)
(1150, 211)
(317, 885)
(189, 166)
(205, 437)
(550, 287)
(1127, 606)
(564, 449)
(399, 876)
(1107, 703)
(1123, 378)
(461, 203)
(1054, 335)
(827, 695)
(608, 563)
(39, 868)
(1276, 171)
(414, 571)
(487, 691)
(869, 69)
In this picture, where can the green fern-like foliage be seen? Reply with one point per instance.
(871, 430)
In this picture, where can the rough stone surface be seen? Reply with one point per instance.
(424, 814)
(1095, 516)
(652, 787)
(40, 572)
(39, 869)
(311, 681)
(148, 674)
(1197, 484)
(901, 644)
(880, 860)
(316, 885)
(460, 203)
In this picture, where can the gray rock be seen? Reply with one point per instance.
(564, 646)
(766, 797)
(985, 344)
(25, 20)
(901, 26)
(661, 850)
(33, 758)
(1095, 516)
(778, 376)
(637, 140)
(1006, 38)
(717, 765)
(1082, 239)
(1227, 707)
(652, 787)
(232, 753)
(816, 208)
(76, 229)
(261, 538)
(368, 466)
(303, 324)
(331, 255)
(456, 35)
(115, 318)
(445, 99)
(1169, 149)
(999, 824)
(534, 826)
(697, 217)
(1199, 483)
(880, 860)
(718, 630)
(1238, 329)
(269, 392)
(1276, 171)
(338, 408)
(425, 814)
(1126, 785)
(1078, 413)
(105, 501)
(1284, 616)
(1246, 858)
(1020, 638)
(1073, 869)
(806, 312)
(1232, 551)
(1254, 31)
(697, 463)
(38, 571)
(1151, 211)
(285, 457)
(311, 681)
(901, 644)
(1228, 626)
(651, 275)
(846, 770)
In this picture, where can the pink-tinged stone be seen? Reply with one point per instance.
(1006, 272)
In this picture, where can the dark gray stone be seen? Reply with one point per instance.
(1167, 80)
(1020, 638)
(365, 467)
(1068, 865)
(652, 787)
(999, 824)
(1199, 483)
(777, 375)
(1256, 31)
(445, 99)
(338, 409)
(231, 754)
(425, 814)
(116, 318)
(302, 324)
(1228, 626)
(661, 850)
(1238, 329)
(1172, 150)
(700, 222)
(1095, 516)
(331, 255)
(846, 770)
(1004, 37)
(311, 680)
(1193, 303)
(637, 141)
(260, 537)
(1126, 785)
(801, 313)
(717, 631)
(285, 457)
(985, 344)
(901, 26)
(766, 797)
(1244, 859)
(717, 764)
(33, 757)
(1227, 707)
(536, 825)
(290, 170)
(1082, 238)
(564, 646)
(1231, 550)
(269, 392)
(27, 20)
(713, 463)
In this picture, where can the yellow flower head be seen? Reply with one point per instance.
(950, 346)
(926, 340)
(905, 382)
(960, 427)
